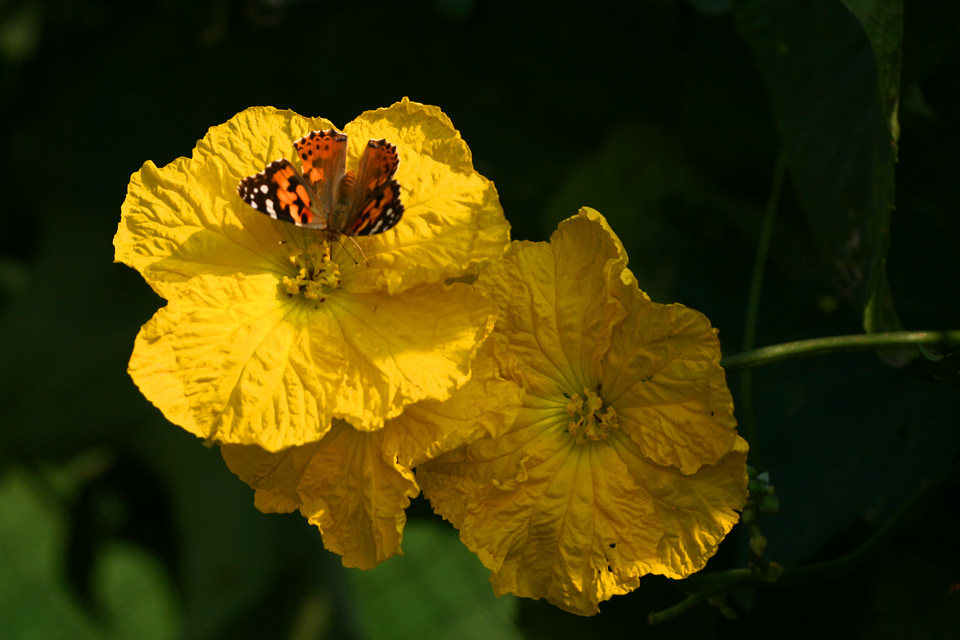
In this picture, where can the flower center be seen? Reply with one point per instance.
(317, 275)
(591, 420)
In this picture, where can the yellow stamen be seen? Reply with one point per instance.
(590, 420)
(317, 275)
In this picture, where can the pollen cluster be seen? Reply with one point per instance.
(317, 275)
(591, 419)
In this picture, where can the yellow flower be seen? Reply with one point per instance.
(272, 330)
(624, 460)
(354, 485)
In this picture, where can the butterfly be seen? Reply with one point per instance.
(324, 195)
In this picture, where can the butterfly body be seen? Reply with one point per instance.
(324, 195)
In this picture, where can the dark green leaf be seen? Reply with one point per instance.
(137, 593)
(34, 601)
(436, 590)
(850, 441)
(823, 82)
(945, 368)
(883, 22)
(232, 555)
(133, 592)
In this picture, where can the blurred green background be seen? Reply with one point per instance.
(668, 116)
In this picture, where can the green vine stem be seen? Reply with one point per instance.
(839, 344)
(702, 587)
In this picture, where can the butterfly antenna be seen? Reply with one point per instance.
(360, 249)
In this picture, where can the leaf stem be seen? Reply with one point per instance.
(839, 344)
(656, 617)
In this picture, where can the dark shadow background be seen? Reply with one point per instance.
(114, 523)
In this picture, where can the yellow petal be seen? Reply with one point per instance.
(343, 484)
(358, 498)
(485, 406)
(689, 539)
(578, 524)
(236, 360)
(273, 502)
(186, 219)
(355, 485)
(536, 508)
(453, 222)
(407, 347)
(556, 312)
(662, 374)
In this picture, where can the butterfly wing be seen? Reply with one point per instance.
(374, 203)
(282, 193)
(323, 156)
